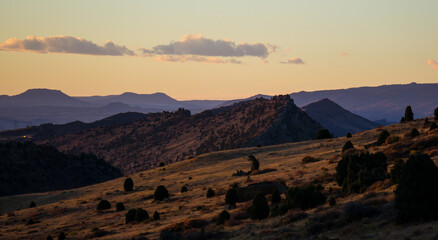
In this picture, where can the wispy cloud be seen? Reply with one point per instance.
(432, 63)
(294, 61)
(197, 45)
(344, 54)
(64, 44)
(194, 58)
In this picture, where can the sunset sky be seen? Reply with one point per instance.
(215, 50)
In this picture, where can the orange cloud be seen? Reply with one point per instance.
(432, 63)
(294, 61)
(64, 44)
(194, 58)
(197, 45)
(344, 54)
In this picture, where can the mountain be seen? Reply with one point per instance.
(336, 119)
(133, 99)
(41, 97)
(173, 136)
(48, 130)
(29, 168)
(378, 103)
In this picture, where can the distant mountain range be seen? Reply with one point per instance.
(173, 136)
(336, 119)
(383, 104)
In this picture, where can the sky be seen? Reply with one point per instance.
(215, 49)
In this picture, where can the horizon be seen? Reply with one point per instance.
(215, 50)
(212, 99)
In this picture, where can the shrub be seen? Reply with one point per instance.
(435, 113)
(161, 164)
(397, 170)
(356, 172)
(222, 217)
(156, 216)
(426, 122)
(279, 209)
(432, 126)
(210, 193)
(354, 211)
(254, 162)
(305, 197)
(161, 193)
(61, 236)
(137, 215)
(414, 133)
(382, 137)
(49, 238)
(128, 185)
(183, 189)
(120, 206)
(231, 197)
(392, 139)
(103, 205)
(416, 196)
(348, 135)
(332, 201)
(32, 204)
(409, 115)
(347, 145)
(402, 120)
(323, 134)
(275, 196)
(308, 159)
(259, 208)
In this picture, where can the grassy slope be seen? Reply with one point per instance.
(74, 211)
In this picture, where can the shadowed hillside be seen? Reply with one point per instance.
(173, 136)
(336, 119)
(28, 168)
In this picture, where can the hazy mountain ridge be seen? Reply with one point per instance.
(174, 136)
(336, 119)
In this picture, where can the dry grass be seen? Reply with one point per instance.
(74, 211)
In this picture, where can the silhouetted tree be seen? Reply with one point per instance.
(323, 134)
(382, 137)
(103, 205)
(120, 207)
(231, 197)
(432, 126)
(402, 120)
(161, 193)
(275, 196)
(435, 113)
(332, 201)
(183, 189)
(347, 145)
(156, 216)
(61, 236)
(210, 193)
(305, 197)
(348, 135)
(32, 204)
(409, 115)
(128, 185)
(397, 171)
(414, 133)
(254, 163)
(416, 196)
(223, 217)
(259, 208)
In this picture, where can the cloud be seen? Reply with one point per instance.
(432, 63)
(294, 61)
(194, 58)
(64, 44)
(344, 54)
(197, 45)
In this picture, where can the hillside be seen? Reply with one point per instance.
(336, 119)
(193, 215)
(173, 136)
(29, 168)
(46, 131)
